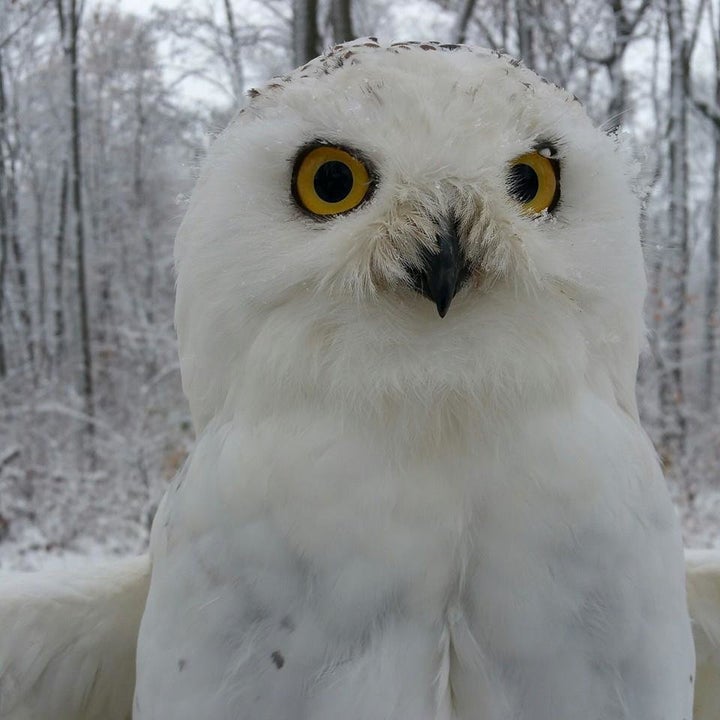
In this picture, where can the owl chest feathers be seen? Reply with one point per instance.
(516, 580)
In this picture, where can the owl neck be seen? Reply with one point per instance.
(409, 419)
(414, 388)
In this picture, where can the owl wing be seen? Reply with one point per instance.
(67, 641)
(703, 589)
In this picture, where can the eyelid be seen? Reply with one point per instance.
(547, 148)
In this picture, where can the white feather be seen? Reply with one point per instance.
(67, 641)
(703, 588)
(37, 606)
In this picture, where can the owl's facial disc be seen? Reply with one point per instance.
(444, 269)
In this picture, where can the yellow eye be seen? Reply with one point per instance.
(534, 181)
(328, 180)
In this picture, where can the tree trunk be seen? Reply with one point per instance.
(463, 20)
(341, 19)
(11, 242)
(524, 20)
(3, 218)
(41, 339)
(59, 268)
(712, 317)
(671, 387)
(70, 22)
(711, 295)
(306, 38)
(84, 315)
(237, 79)
(623, 31)
(18, 254)
(618, 81)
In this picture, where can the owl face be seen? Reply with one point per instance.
(410, 220)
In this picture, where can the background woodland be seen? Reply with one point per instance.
(104, 117)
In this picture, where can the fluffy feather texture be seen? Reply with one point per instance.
(67, 648)
(92, 619)
(703, 588)
(392, 515)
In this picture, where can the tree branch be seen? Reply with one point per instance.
(8, 38)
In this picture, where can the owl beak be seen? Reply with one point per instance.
(444, 268)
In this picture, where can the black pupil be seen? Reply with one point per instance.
(523, 182)
(333, 181)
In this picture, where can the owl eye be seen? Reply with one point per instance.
(534, 181)
(328, 180)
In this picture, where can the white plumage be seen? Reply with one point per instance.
(67, 642)
(394, 515)
(389, 514)
(703, 589)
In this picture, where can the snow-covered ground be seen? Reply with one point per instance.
(701, 519)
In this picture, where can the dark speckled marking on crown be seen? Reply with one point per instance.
(352, 53)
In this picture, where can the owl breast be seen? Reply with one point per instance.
(537, 583)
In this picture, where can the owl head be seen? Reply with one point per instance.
(416, 231)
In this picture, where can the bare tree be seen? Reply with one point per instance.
(625, 22)
(237, 78)
(526, 28)
(306, 37)
(341, 20)
(59, 267)
(711, 112)
(9, 157)
(671, 386)
(211, 45)
(465, 13)
(69, 20)
(4, 231)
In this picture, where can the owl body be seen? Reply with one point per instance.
(344, 583)
(393, 514)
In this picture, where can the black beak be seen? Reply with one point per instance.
(444, 268)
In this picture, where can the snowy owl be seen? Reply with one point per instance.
(409, 311)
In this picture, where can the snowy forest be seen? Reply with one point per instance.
(105, 113)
